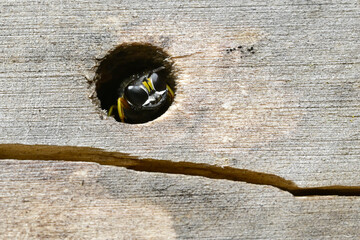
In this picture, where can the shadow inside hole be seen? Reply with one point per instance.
(128, 60)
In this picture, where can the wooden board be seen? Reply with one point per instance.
(291, 108)
(58, 200)
(265, 88)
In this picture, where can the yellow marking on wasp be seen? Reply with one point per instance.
(150, 84)
(125, 104)
(146, 85)
(120, 110)
(170, 91)
(111, 109)
(121, 104)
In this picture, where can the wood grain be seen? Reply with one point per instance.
(291, 108)
(117, 159)
(60, 200)
(270, 87)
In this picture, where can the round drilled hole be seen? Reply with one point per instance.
(135, 82)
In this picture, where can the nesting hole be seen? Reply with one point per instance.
(132, 61)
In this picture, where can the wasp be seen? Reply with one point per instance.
(142, 98)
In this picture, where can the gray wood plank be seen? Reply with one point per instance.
(290, 109)
(61, 200)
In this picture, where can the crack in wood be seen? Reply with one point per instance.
(187, 55)
(118, 159)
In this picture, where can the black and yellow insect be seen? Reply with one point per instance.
(141, 98)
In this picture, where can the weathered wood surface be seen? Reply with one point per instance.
(60, 200)
(291, 109)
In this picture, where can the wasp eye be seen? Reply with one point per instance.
(158, 84)
(136, 95)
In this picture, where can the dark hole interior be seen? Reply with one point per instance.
(129, 60)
